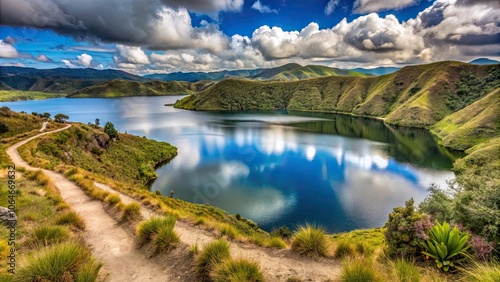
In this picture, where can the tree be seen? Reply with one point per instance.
(97, 122)
(110, 130)
(61, 118)
(3, 128)
(46, 115)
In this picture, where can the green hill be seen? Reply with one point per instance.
(125, 88)
(292, 72)
(413, 96)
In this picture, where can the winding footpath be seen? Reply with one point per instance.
(123, 262)
(110, 243)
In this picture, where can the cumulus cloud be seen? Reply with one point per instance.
(368, 6)
(263, 8)
(330, 6)
(7, 50)
(43, 58)
(85, 60)
(130, 55)
(9, 40)
(154, 23)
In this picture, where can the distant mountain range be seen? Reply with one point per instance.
(484, 61)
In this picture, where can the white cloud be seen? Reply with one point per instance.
(85, 60)
(330, 6)
(43, 58)
(263, 8)
(130, 55)
(368, 6)
(7, 50)
(69, 64)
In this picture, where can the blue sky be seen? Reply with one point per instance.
(147, 36)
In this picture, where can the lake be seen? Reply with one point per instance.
(276, 168)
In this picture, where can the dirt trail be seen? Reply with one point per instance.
(44, 126)
(277, 265)
(110, 243)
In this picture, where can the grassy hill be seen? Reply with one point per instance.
(416, 96)
(292, 72)
(124, 88)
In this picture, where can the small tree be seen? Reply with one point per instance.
(61, 118)
(3, 128)
(46, 115)
(97, 122)
(110, 130)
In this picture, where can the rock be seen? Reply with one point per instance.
(7, 216)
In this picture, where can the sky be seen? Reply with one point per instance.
(162, 36)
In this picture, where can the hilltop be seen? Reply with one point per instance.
(416, 96)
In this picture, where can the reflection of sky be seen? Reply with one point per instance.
(259, 165)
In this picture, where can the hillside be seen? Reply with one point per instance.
(413, 96)
(288, 72)
(125, 88)
(59, 80)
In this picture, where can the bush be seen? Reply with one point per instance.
(71, 218)
(235, 270)
(357, 270)
(130, 212)
(283, 232)
(89, 271)
(405, 232)
(344, 249)
(49, 235)
(211, 255)
(310, 241)
(165, 239)
(55, 263)
(147, 229)
(112, 199)
(445, 245)
(109, 129)
(405, 271)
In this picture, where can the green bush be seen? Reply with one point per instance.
(211, 255)
(445, 245)
(405, 271)
(357, 270)
(311, 241)
(71, 218)
(344, 249)
(131, 212)
(165, 239)
(405, 232)
(54, 263)
(147, 229)
(49, 235)
(237, 270)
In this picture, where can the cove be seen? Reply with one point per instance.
(277, 168)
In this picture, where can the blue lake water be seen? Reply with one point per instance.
(276, 168)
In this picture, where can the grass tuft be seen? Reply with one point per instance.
(147, 229)
(130, 212)
(405, 271)
(165, 239)
(89, 271)
(483, 272)
(112, 199)
(212, 254)
(49, 235)
(235, 270)
(71, 218)
(344, 249)
(275, 242)
(358, 270)
(310, 241)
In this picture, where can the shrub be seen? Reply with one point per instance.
(445, 245)
(344, 249)
(71, 218)
(55, 263)
(283, 232)
(357, 270)
(61, 118)
(481, 249)
(110, 130)
(275, 242)
(48, 235)
(212, 254)
(112, 199)
(404, 234)
(310, 241)
(165, 239)
(147, 229)
(89, 271)
(483, 272)
(405, 271)
(130, 212)
(235, 270)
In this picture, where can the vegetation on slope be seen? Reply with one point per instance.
(16, 95)
(125, 88)
(413, 96)
(293, 72)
